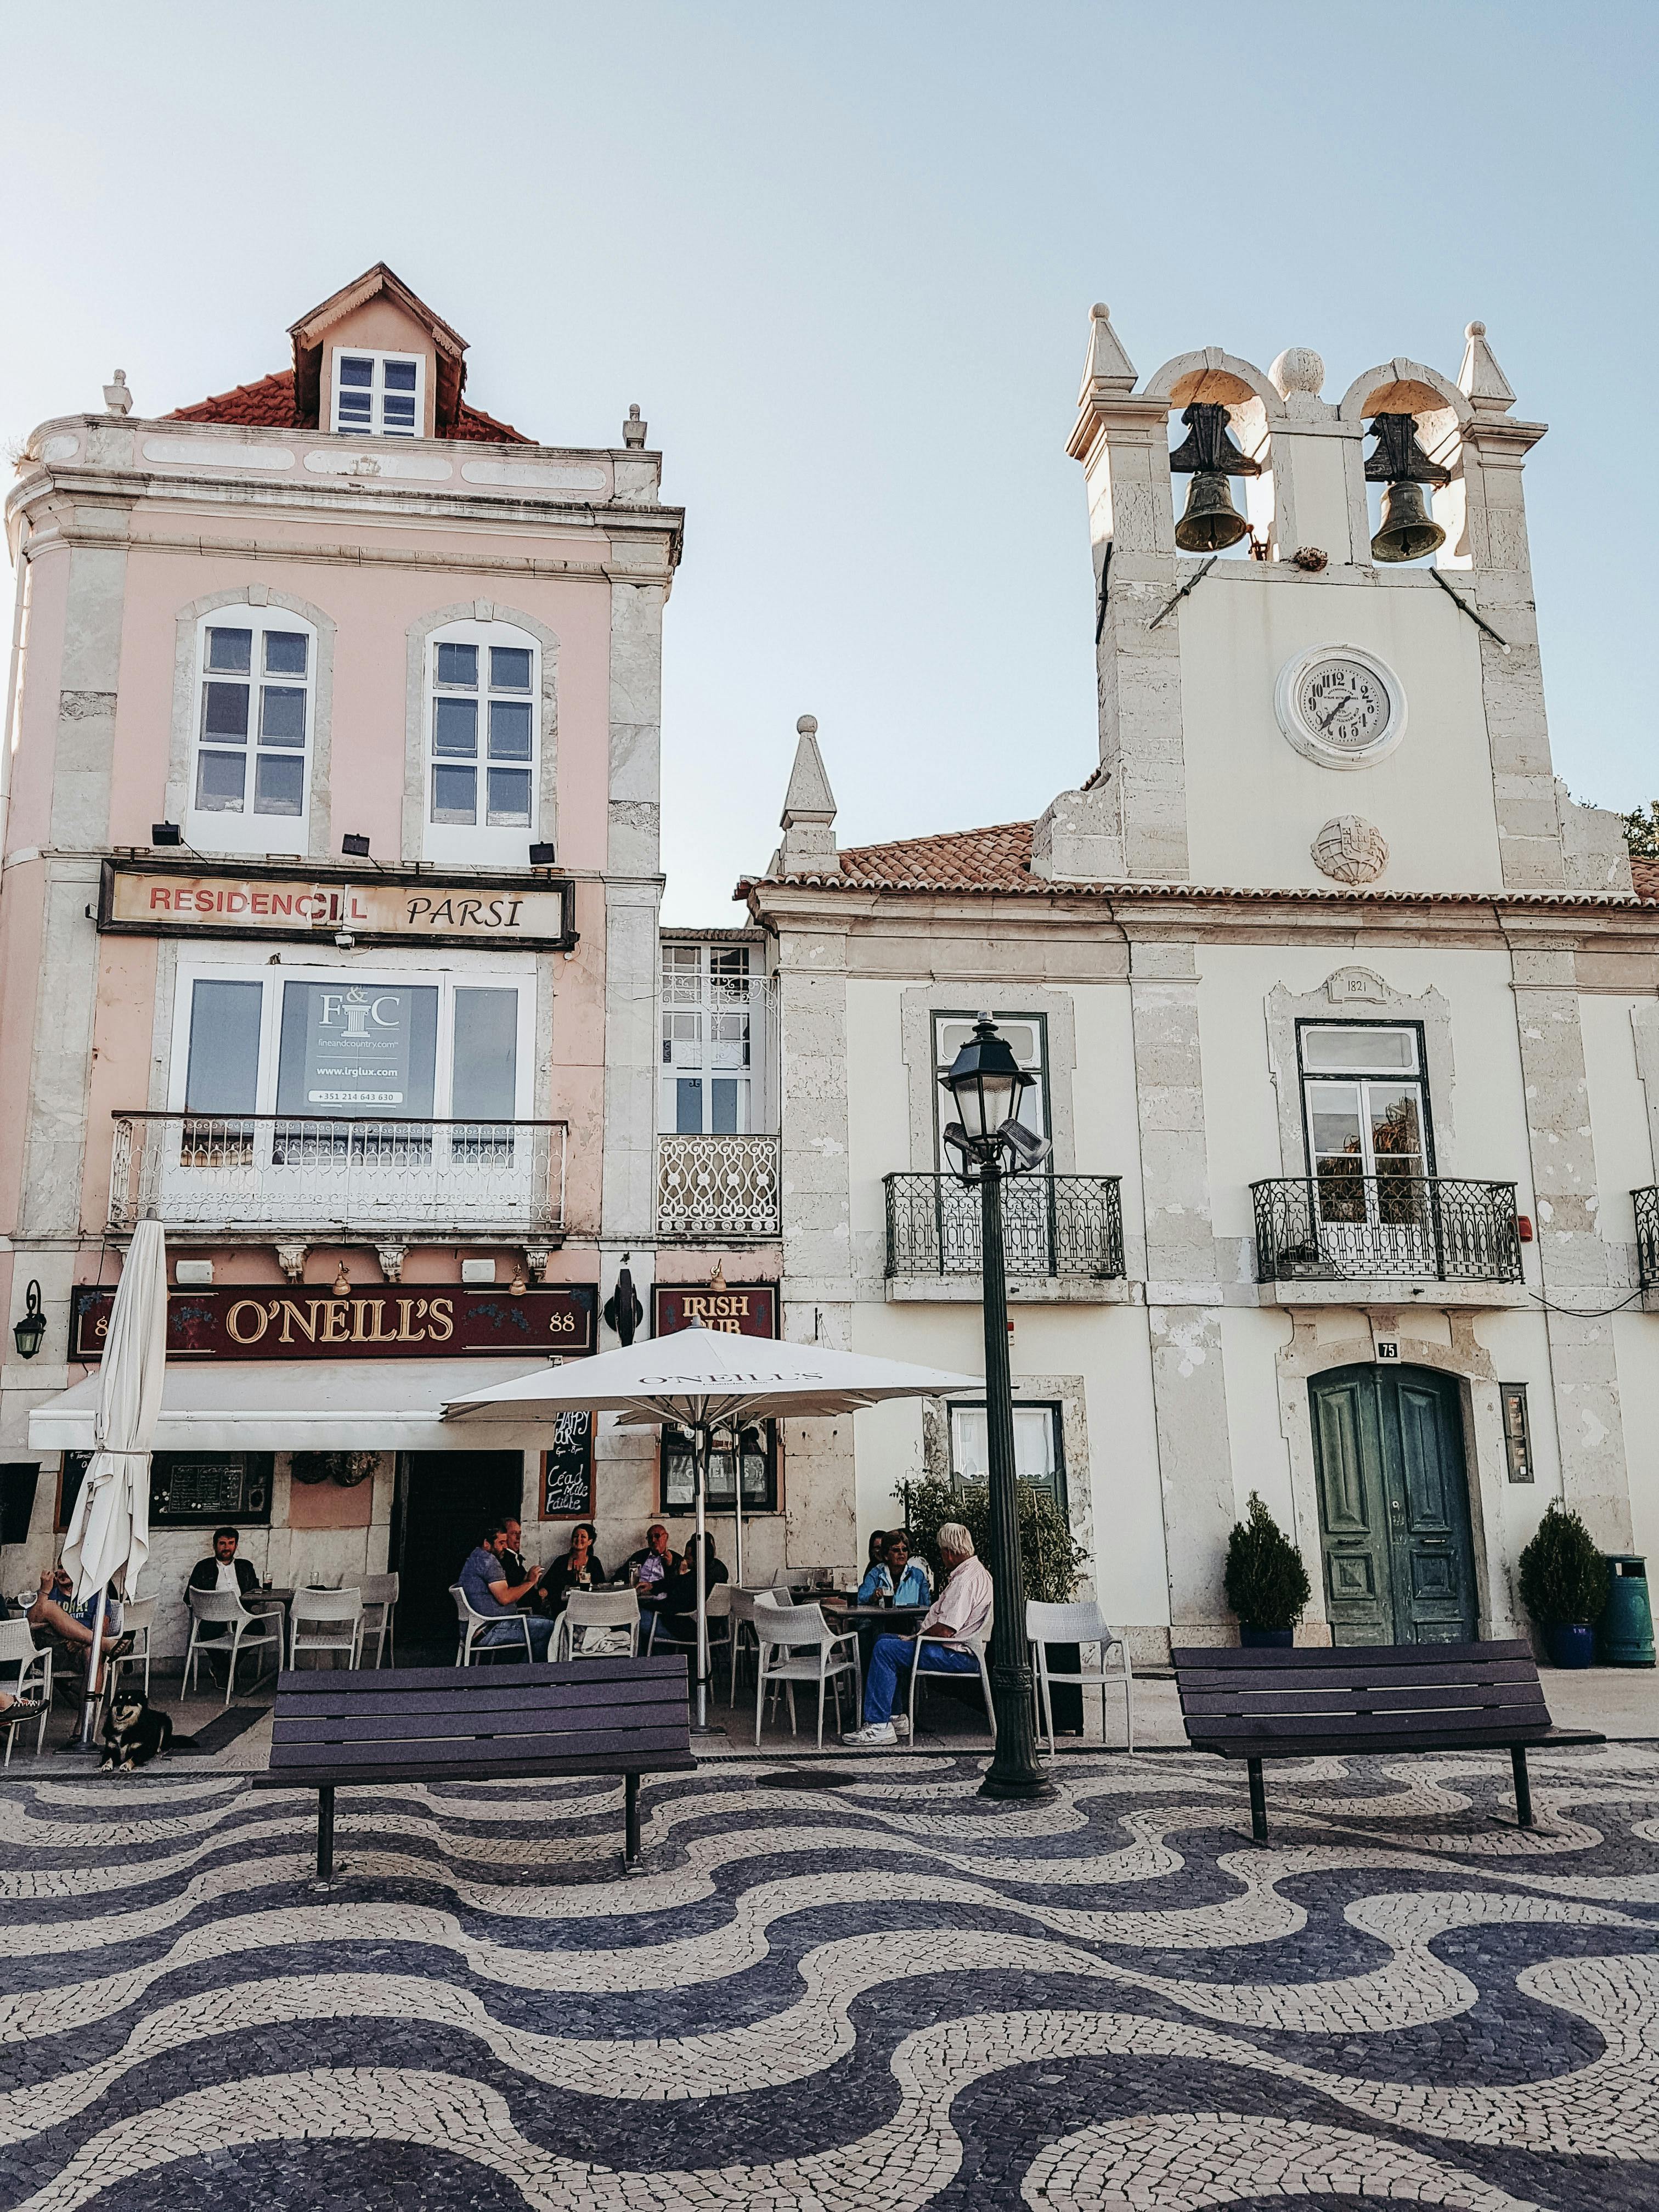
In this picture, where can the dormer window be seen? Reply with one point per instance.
(379, 395)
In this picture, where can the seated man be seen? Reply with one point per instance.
(68, 1627)
(222, 1571)
(895, 1577)
(488, 1587)
(962, 1610)
(518, 1570)
(648, 1569)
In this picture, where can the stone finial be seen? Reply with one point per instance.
(1299, 368)
(808, 809)
(1108, 367)
(118, 400)
(1351, 850)
(634, 427)
(1480, 380)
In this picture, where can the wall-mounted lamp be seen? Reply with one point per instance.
(342, 1282)
(520, 1282)
(541, 856)
(166, 833)
(29, 1331)
(354, 848)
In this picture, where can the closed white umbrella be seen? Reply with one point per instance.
(108, 1533)
(702, 1379)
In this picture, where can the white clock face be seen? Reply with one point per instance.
(1340, 707)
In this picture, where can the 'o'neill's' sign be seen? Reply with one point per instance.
(382, 1321)
(384, 907)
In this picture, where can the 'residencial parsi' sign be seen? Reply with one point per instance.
(398, 907)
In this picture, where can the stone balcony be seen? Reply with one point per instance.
(1390, 1240)
(1062, 1239)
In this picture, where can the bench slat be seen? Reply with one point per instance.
(344, 1760)
(1234, 1658)
(1333, 1746)
(527, 1698)
(1359, 1728)
(1270, 1682)
(540, 1720)
(1378, 1697)
(353, 1682)
(509, 1770)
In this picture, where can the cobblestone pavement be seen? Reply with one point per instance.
(890, 1994)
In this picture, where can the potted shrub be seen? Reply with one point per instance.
(1266, 1581)
(1563, 1585)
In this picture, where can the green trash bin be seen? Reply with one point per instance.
(1624, 1632)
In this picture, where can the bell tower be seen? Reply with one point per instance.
(1323, 669)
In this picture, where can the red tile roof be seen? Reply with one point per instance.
(993, 860)
(269, 404)
(1645, 876)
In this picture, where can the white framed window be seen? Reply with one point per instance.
(1027, 1038)
(710, 1005)
(350, 1044)
(249, 769)
(379, 395)
(1039, 1448)
(482, 743)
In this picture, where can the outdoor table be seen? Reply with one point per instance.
(873, 1620)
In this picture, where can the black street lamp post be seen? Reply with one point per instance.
(988, 1143)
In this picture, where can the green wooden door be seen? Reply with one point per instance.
(1394, 1511)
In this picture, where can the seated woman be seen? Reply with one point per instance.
(896, 1578)
(580, 1569)
(677, 1621)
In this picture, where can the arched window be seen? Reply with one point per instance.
(250, 779)
(484, 742)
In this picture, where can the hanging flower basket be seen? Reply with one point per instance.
(347, 1468)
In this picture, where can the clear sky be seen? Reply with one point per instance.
(843, 256)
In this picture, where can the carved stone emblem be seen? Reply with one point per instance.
(1351, 850)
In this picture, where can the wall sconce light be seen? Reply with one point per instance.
(541, 856)
(519, 1283)
(29, 1331)
(354, 848)
(342, 1282)
(166, 833)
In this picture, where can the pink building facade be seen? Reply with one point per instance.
(329, 934)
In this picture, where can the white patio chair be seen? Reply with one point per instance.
(799, 1646)
(794, 1579)
(18, 1649)
(136, 1616)
(225, 1610)
(978, 1646)
(325, 1621)
(1081, 1624)
(379, 1599)
(741, 1614)
(719, 1604)
(472, 1624)
(591, 1624)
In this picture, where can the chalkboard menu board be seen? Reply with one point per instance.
(568, 1469)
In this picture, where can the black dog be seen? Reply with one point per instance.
(135, 1732)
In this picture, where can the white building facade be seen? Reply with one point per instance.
(1345, 1023)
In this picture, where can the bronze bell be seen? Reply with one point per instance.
(1211, 522)
(1409, 530)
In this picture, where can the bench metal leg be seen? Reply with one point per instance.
(325, 1832)
(631, 1815)
(1258, 1801)
(1522, 1786)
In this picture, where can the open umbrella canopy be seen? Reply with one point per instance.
(703, 1377)
(108, 1533)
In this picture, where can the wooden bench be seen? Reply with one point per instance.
(354, 1728)
(1366, 1697)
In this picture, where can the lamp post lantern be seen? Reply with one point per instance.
(988, 1143)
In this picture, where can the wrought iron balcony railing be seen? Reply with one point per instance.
(241, 1174)
(1051, 1225)
(1647, 1238)
(1343, 1227)
(718, 1187)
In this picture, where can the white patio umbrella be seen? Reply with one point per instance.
(701, 1379)
(108, 1533)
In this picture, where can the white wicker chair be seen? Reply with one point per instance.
(1081, 1624)
(472, 1625)
(380, 1601)
(137, 1615)
(796, 1644)
(721, 1605)
(225, 1610)
(18, 1649)
(977, 1646)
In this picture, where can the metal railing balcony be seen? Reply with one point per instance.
(1341, 1227)
(1647, 1238)
(718, 1187)
(243, 1174)
(1051, 1225)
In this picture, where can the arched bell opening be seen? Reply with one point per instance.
(1220, 412)
(1412, 465)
